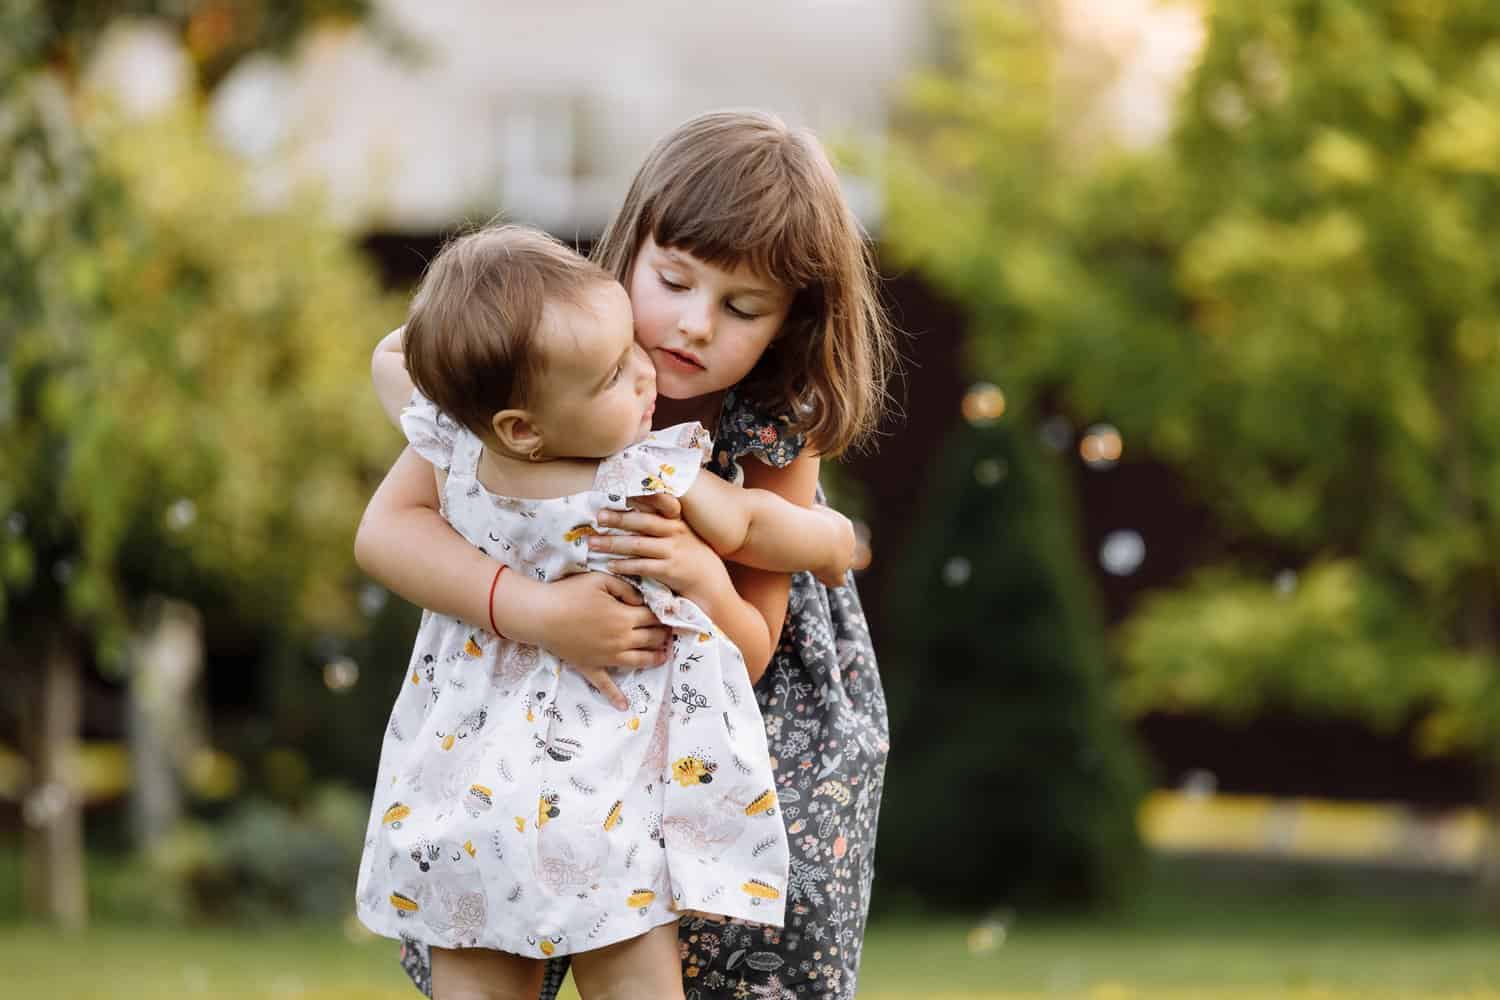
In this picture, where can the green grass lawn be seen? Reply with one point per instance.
(1182, 940)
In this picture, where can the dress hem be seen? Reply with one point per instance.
(396, 932)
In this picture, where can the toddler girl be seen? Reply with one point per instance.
(516, 812)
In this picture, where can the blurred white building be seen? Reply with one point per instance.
(544, 110)
(436, 112)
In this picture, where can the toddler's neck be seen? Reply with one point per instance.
(506, 475)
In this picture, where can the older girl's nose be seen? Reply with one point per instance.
(696, 318)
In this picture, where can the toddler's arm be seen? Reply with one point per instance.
(404, 543)
(761, 529)
(658, 543)
(388, 372)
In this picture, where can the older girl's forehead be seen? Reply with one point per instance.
(744, 278)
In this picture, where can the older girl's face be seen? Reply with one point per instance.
(703, 327)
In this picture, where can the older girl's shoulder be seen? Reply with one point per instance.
(750, 428)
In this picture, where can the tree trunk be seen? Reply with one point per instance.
(53, 809)
(165, 719)
(1475, 625)
(1489, 851)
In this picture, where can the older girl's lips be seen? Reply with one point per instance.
(682, 360)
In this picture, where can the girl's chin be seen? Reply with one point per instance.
(681, 389)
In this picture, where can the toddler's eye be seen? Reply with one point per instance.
(670, 283)
(619, 370)
(735, 311)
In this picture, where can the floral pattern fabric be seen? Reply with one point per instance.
(826, 726)
(515, 809)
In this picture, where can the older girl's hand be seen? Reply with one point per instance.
(622, 633)
(659, 544)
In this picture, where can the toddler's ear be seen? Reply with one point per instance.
(516, 432)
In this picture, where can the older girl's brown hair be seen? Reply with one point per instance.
(740, 187)
(470, 336)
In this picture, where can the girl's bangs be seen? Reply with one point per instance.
(775, 238)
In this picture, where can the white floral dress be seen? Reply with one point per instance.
(515, 808)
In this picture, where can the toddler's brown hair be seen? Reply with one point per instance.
(470, 338)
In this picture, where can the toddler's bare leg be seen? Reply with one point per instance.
(482, 974)
(648, 967)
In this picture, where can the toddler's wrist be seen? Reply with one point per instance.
(515, 610)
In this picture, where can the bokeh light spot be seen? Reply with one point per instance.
(1122, 552)
(983, 404)
(1101, 446)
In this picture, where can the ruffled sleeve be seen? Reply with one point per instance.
(667, 461)
(747, 429)
(431, 432)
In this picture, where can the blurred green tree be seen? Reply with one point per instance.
(216, 33)
(183, 403)
(996, 646)
(996, 640)
(1292, 301)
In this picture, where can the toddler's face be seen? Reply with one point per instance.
(703, 327)
(596, 391)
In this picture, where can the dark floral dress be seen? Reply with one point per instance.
(827, 731)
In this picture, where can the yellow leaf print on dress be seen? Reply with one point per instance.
(758, 890)
(765, 802)
(689, 771)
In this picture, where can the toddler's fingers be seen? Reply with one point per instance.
(600, 678)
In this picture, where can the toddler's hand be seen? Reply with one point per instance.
(845, 549)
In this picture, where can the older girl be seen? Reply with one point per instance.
(754, 296)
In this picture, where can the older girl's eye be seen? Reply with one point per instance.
(670, 283)
(735, 311)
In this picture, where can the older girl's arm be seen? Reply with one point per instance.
(749, 605)
(388, 372)
(404, 543)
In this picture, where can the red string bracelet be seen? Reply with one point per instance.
(491, 606)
